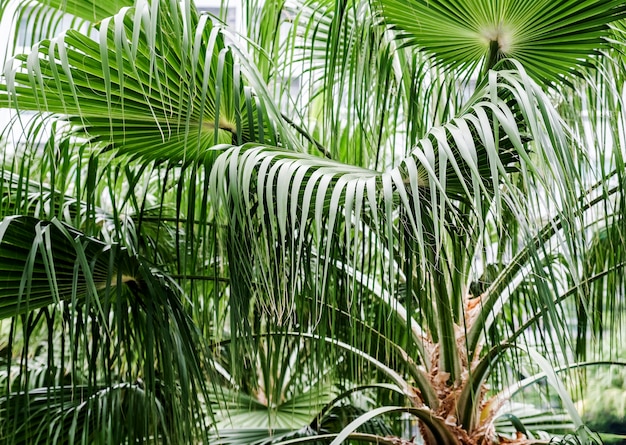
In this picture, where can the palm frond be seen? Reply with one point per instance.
(457, 163)
(124, 303)
(168, 95)
(550, 39)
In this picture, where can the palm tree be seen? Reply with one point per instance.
(437, 209)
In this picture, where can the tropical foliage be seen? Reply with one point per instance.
(353, 222)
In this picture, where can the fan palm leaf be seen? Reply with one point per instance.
(48, 264)
(550, 39)
(177, 92)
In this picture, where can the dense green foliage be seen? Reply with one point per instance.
(356, 221)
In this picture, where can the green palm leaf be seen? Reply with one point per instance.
(126, 303)
(33, 11)
(77, 413)
(550, 38)
(157, 81)
(447, 179)
(39, 260)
